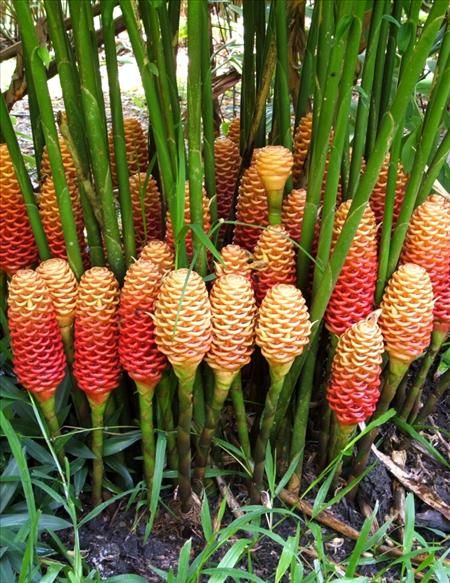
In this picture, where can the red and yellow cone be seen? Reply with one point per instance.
(184, 334)
(160, 254)
(292, 213)
(17, 245)
(282, 332)
(354, 294)
(302, 142)
(252, 209)
(136, 144)
(236, 260)
(378, 196)
(274, 166)
(146, 204)
(275, 255)
(96, 365)
(37, 347)
(227, 163)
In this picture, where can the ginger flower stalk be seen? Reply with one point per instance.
(233, 312)
(183, 333)
(17, 245)
(282, 332)
(138, 352)
(274, 165)
(37, 347)
(96, 364)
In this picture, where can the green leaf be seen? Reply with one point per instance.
(160, 456)
(233, 573)
(99, 509)
(126, 579)
(205, 241)
(406, 428)
(120, 442)
(183, 561)
(8, 488)
(230, 559)
(46, 522)
(205, 517)
(44, 55)
(288, 554)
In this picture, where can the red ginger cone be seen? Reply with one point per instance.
(36, 342)
(146, 203)
(136, 144)
(160, 254)
(276, 253)
(354, 387)
(292, 213)
(427, 242)
(353, 296)
(302, 141)
(234, 130)
(96, 366)
(139, 354)
(17, 245)
(378, 195)
(236, 260)
(227, 162)
(252, 209)
(442, 308)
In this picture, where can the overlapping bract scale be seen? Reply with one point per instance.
(251, 209)
(293, 211)
(227, 162)
(235, 260)
(234, 130)
(136, 147)
(62, 287)
(146, 205)
(378, 196)
(302, 141)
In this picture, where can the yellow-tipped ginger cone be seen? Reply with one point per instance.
(146, 204)
(139, 354)
(274, 165)
(302, 142)
(234, 130)
(252, 209)
(282, 332)
(227, 162)
(275, 256)
(51, 220)
(378, 196)
(160, 254)
(184, 334)
(233, 311)
(292, 213)
(17, 245)
(69, 165)
(63, 289)
(235, 260)
(37, 347)
(96, 365)
(136, 145)
(170, 239)
(354, 294)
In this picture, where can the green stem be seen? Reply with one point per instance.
(275, 200)
(325, 425)
(308, 66)
(434, 169)
(35, 118)
(146, 393)
(248, 95)
(222, 383)
(186, 378)
(97, 417)
(164, 396)
(282, 94)
(48, 408)
(277, 376)
(341, 436)
(437, 340)
(438, 392)
(24, 182)
(241, 416)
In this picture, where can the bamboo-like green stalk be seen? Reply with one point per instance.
(413, 397)
(146, 393)
(120, 152)
(434, 169)
(308, 66)
(98, 469)
(362, 113)
(222, 384)
(283, 95)
(443, 385)
(237, 398)
(71, 90)
(35, 117)
(31, 46)
(324, 47)
(194, 96)
(169, 55)
(48, 408)
(320, 141)
(326, 416)
(260, 35)
(208, 113)
(341, 435)
(164, 397)
(174, 20)
(248, 94)
(96, 133)
(24, 182)
(378, 82)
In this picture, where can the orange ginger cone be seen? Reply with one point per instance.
(292, 213)
(234, 131)
(184, 334)
(51, 220)
(282, 332)
(227, 163)
(274, 165)
(302, 142)
(378, 195)
(17, 245)
(160, 254)
(37, 347)
(275, 252)
(146, 204)
(136, 144)
(62, 287)
(170, 239)
(69, 165)
(233, 311)
(354, 294)
(96, 365)
(139, 354)
(235, 260)
(252, 209)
